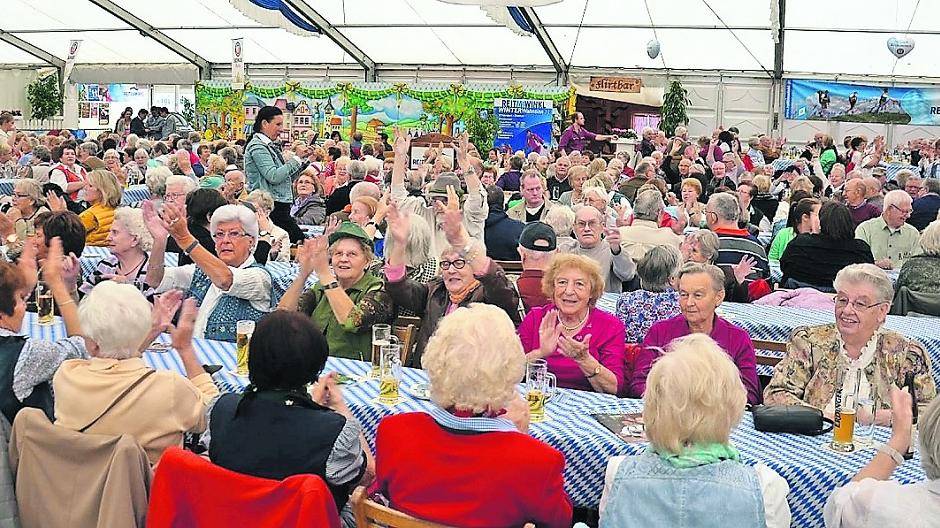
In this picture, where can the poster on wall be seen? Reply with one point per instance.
(858, 103)
(524, 124)
(105, 102)
(104, 114)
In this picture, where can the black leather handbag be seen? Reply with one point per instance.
(795, 419)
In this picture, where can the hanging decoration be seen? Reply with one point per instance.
(900, 46)
(652, 48)
(506, 12)
(276, 13)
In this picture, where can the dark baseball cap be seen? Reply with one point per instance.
(538, 236)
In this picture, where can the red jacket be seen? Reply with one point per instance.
(470, 480)
(188, 490)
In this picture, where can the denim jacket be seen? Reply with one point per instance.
(649, 492)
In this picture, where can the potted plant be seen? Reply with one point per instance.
(44, 97)
(675, 101)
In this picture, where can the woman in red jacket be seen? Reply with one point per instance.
(469, 462)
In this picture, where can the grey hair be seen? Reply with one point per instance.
(726, 206)
(708, 243)
(111, 153)
(649, 205)
(714, 273)
(188, 184)
(658, 267)
(138, 151)
(236, 213)
(133, 220)
(932, 185)
(32, 188)
(643, 167)
(866, 274)
(561, 218)
(594, 189)
(156, 180)
(418, 246)
(929, 239)
(357, 170)
(90, 147)
(896, 198)
(929, 428)
(262, 200)
(116, 317)
(364, 188)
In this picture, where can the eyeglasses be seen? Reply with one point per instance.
(174, 196)
(593, 224)
(457, 264)
(858, 306)
(902, 211)
(20, 195)
(231, 235)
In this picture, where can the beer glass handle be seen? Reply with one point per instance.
(393, 339)
(552, 384)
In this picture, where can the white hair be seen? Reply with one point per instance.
(116, 317)
(132, 219)
(418, 246)
(866, 274)
(156, 180)
(897, 198)
(648, 205)
(929, 239)
(236, 213)
(262, 199)
(561, 219)
(175, 179)
(364, 188)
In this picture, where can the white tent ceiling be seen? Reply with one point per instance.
(694, 34)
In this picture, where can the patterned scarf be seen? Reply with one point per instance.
(699, 455)
(459, 297)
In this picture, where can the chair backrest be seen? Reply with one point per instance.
(370, 514)
(772, 346)
(405, 329)
(914, 303)
(510, 266)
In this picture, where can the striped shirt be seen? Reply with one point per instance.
(735, 244)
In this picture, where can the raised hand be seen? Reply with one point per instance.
(164, 308)
(304, 256)
(332, 224)
(174, 215)
(55, 202)
(156, 225)
(399, 224)
(52, 267)
(27, 261)
(613, 238)
(743, 269)
(452, 218)
(319, 255)
(402, 143)
(463, 146)
(549, 334)
(182, 334)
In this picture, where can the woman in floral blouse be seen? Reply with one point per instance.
(921, 273)
(348, 299)
(656, 299)
(819, 358)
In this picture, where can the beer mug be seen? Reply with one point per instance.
(843, 432)
(540, 385)
(389, 373)
(44, 303)
(381, 336)
(243, 331)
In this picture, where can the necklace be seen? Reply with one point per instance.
(132, 270)
(576, 326)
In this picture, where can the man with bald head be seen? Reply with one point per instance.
(873, 191)
(891, 238)
(854, 194)
(234, 187)
(559, 184)
(593, 239)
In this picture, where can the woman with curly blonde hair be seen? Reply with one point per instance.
(457, 463)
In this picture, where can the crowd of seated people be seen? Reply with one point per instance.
(611, 271)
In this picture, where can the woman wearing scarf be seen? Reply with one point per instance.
(309, 207)
(467, 276)
(694, 399)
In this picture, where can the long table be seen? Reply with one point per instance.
(811, 471)
(891, 169)
(776, 274)
(132, 194)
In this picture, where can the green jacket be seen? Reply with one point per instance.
(780, 243)
(351, 338)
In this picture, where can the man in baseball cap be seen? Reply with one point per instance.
(537, 245)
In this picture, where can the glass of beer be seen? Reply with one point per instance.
(381, 336)
(540, 384)
(243, 331)
(843, 433)
(389, 373)
(44, 303)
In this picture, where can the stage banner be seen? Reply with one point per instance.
(524, 124)
(833, 101)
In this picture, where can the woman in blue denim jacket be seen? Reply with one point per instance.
(691, 475)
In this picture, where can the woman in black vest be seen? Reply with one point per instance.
(275, 429)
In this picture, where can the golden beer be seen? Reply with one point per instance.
(388, 390)
(536, 399)
(377, 356)
(844, 430)
(243, 331)
(44, 308)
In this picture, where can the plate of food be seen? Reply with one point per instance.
(421, 391)
(343, 379)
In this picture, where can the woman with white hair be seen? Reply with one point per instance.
(115, 392)
(229, 285)
(129, 242)
(420, 264)
(657, 298)
(156, 182)
(921, 273)
(137, 167)
(694, 399)
(112, 162)
(872, 499)
(28, 202)
(561, 220)
(469, 461)
(268, 232)
(825, 360)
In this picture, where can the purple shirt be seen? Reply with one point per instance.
(575, 140)
(864, 212)
(509, 180)
(734, 340)
(607, 346)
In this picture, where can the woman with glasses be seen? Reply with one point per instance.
(584, 345)
(347, 299)
(467, 276)
(27, 203)
(819, 357)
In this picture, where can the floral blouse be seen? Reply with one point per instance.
(641, 309)
(814, 367)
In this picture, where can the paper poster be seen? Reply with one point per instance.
(238, 64)
(84, 110)
(524, 124)
(104, 114)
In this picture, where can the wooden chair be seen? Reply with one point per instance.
(370, 514)
(773, 346)
(405, 329)
(510, 266)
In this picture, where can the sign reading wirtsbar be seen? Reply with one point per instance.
(859, 103)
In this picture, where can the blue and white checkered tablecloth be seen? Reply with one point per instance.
(6, 187)
(282, 273)
(134, 194)
(811, 471)
(891, 169)
(776, 323)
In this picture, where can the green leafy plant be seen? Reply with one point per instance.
(189, 112)
(675, 101)
(44, 97)
(481, 129)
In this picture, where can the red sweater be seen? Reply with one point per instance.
(469, 480)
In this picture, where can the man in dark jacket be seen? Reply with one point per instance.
(500, 232)
(927, 206)
(137, 124)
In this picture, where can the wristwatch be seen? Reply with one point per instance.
(892, 452)
(11, 238)
(331, 285)
(597, 370)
